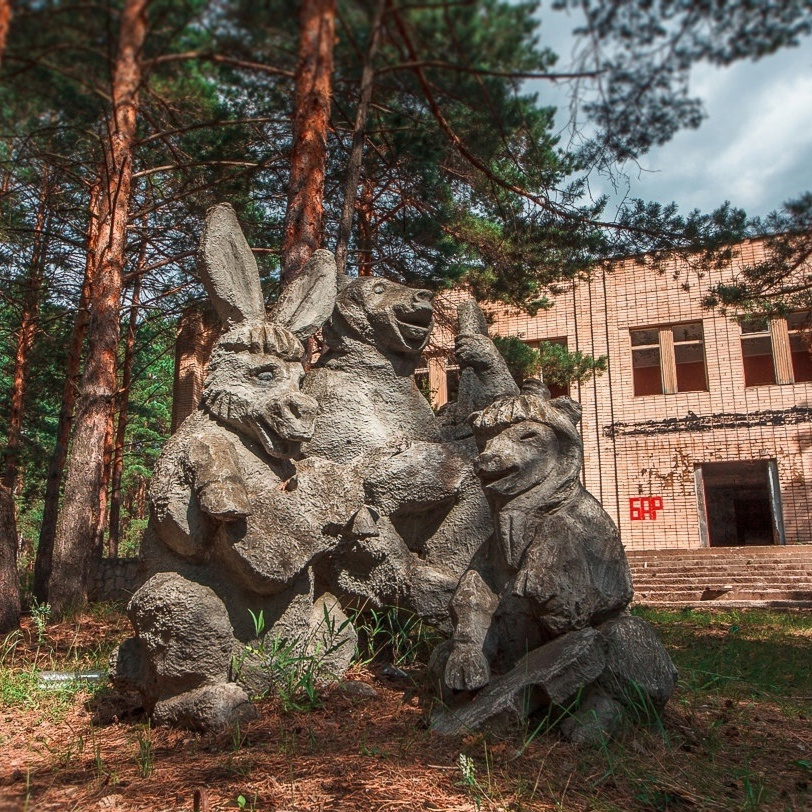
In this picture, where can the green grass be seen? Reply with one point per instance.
(739, 654)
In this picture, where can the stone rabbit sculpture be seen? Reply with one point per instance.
(236, 525)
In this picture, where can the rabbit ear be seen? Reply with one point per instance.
(228, 268)
(307, 302)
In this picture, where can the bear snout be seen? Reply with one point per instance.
(488, 463)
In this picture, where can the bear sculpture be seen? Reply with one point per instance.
(540, 616)
(433, 513)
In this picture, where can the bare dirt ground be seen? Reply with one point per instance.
(94, 750)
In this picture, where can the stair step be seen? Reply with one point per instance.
(726, 604)
(712, 595)
(779, 576)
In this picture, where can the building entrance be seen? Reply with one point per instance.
(739, 503)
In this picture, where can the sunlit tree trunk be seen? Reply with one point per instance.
(5, 20)
(53, 485)
(29, 320)
(80, 516)
(311, 119)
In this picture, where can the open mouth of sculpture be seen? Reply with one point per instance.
(414, 324)
(276, 444)
(492, 478)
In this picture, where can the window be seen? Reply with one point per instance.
(799, 327)
(452, 381)
(757, 352)
(777, 350)
(669, 359)
(557, 390)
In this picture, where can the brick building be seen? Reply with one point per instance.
(700, 432)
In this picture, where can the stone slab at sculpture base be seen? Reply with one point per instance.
(212, 707)
(598, 717)
(552, 674)
(638, 668)
(599, 677)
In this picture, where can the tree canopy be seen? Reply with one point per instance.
(440, 162)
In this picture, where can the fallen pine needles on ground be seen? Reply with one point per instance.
(736, 736)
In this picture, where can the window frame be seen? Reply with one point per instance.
(666, 346)
(781, 335)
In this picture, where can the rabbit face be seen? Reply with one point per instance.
(254, 384)
(388, 315)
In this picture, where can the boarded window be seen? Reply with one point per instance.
(689, 357)
(669, 359)
(647, 370)
(800, 345)
(452, 382)
(757, 352)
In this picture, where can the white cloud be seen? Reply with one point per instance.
(755, 148)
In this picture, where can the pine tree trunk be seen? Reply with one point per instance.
(311, 119)
(25, 341)
(104, 486)
(198, 330)
(80, 517)
(5, 21)
(9, 579)
(123, 408)
(366, 228)
(358, 138)
(53, 485)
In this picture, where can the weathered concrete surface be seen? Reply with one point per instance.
(553, 568)
(211, 707)
(184, 630)
(432, 514)
(234, 519)
(552, 674)
(638, 667)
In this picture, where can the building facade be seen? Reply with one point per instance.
(700, 431)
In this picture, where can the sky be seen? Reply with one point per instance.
(754, 149)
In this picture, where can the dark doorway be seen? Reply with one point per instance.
(739, 503)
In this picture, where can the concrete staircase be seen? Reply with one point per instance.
(777, 576)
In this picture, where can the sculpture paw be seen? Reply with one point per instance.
(225, 501)
(475, 351)
(467, 669)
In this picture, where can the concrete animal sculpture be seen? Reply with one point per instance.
(546, 594)
(434, 514)
(236, 525)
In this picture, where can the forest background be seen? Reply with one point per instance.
(398, 134)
